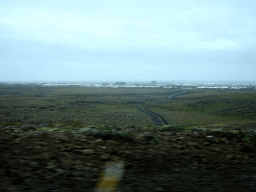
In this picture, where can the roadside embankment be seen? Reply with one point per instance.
(154, 160)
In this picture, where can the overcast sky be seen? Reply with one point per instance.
(133, 40)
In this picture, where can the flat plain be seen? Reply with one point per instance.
(78, 106)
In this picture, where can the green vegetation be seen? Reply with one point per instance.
(101, 108)
(58, 124)
(174, 128)
(76, 124)
(62, 129)
(207, 107)
(10, 123)
(81, 107)
(155, 141)
(57, 130)
(248, 138)
(251, 167)
(125, 134)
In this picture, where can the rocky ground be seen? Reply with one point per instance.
(155, 160)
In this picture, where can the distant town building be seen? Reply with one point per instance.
(120, 83)
(168, 85)
(153, 83)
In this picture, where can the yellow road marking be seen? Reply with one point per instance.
(109, 180)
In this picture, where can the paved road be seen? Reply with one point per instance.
(163, 120)
(174, 95)
(156, 117)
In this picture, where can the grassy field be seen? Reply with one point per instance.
(204, 107)
(115, 107)
(75, 105)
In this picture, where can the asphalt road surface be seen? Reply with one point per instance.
(157, 118)
(173, 95)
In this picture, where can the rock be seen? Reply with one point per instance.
(180, 138)
(224, 139)
(167, 133)
(159, 189)
(42, 143)
(195, 133)
(44, 125)
(216, 140)
(113, 150)
(204, 160)
(66, 148)
(43, 156)
(51, 165)
(128, 166)
(28, 128)
(34, 164)
(140, 136)
(193, 145)
(167, 127)
(94, 132)
(91, 126)
(215, 133)
(17, 141)
(60, 171)
(105, 156)
(248, 149)
(84, 129)
(230, 135)
(45, 135)
(230, 156)
(126, 152)
(99, 141)
(145, 138)
(83, 140)
(25, 155)
(9, 127)
(206, 144)
(182, 147)
(87, 151)
(112, 142)
(63, 138)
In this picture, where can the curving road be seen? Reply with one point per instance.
(156, 117)
(163, 120)
(174, 95)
